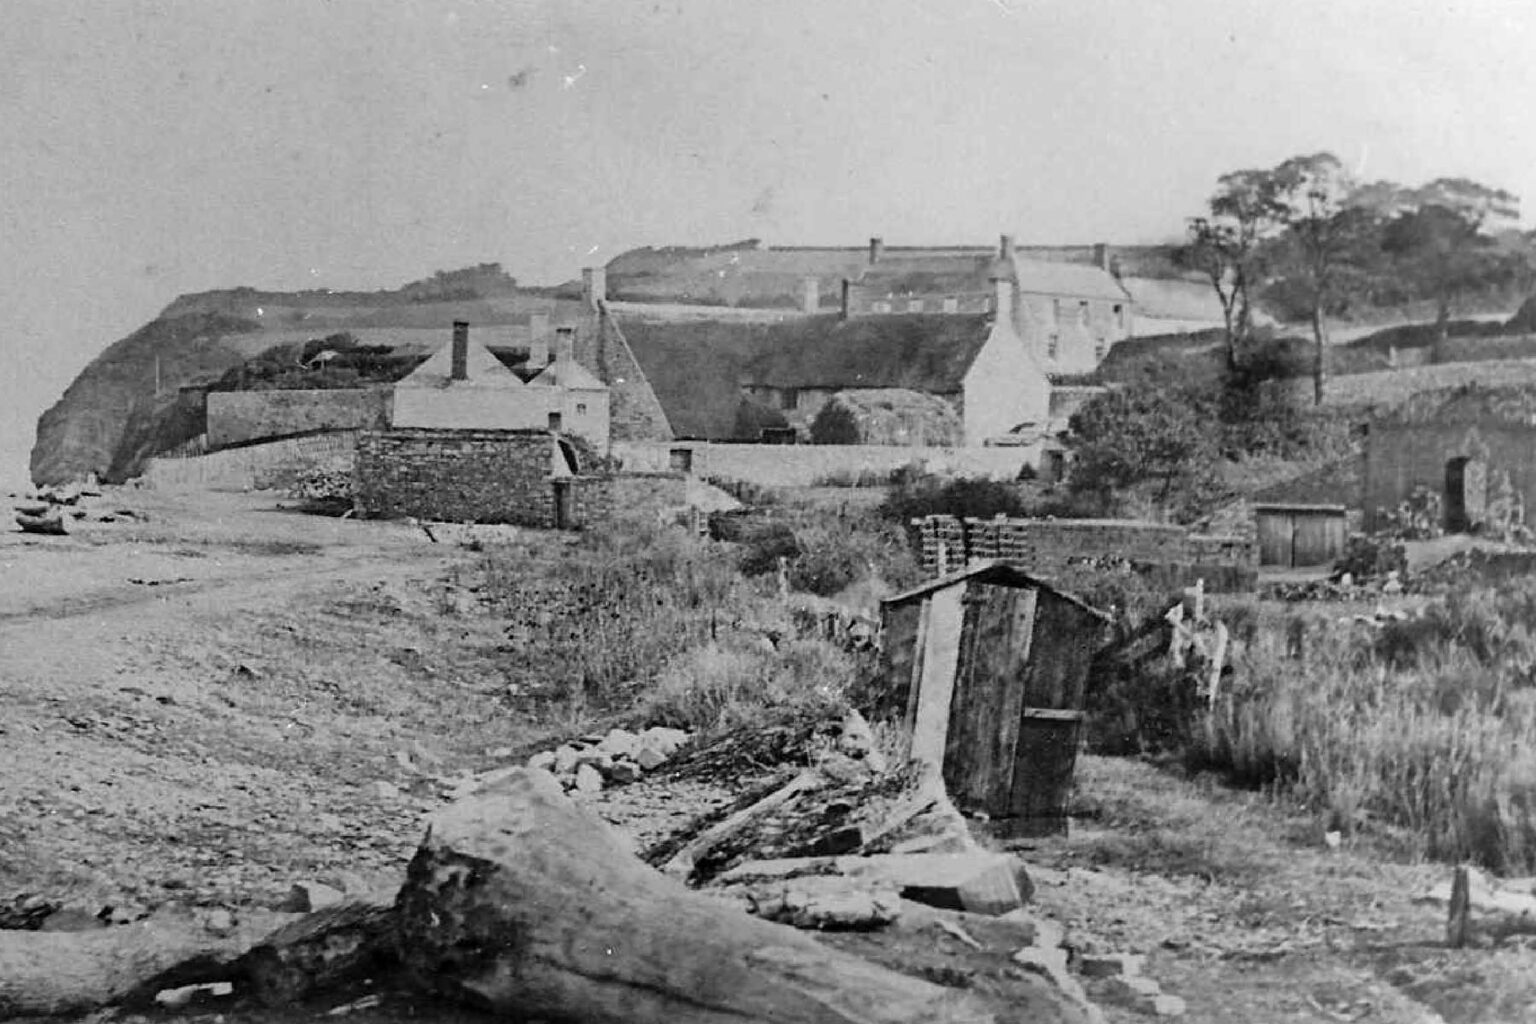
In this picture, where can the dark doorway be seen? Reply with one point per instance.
(1466, 494)
(564, 510)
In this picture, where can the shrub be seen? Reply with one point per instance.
(835, 424)
(916, 494)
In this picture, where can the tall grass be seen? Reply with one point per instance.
(1428, 727)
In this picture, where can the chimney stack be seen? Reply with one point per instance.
(1101, 255)
(847, 288)
(876, 249)
(594, 286)
(565, 341)
(460, 350)
(538, 340)
(1005, 247)
(810, 295)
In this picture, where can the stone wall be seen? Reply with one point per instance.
(253, 467)
(236, 417)
(1051, 547)
(457, 476)
(493, 477)
(1400, 457)
(804, 465)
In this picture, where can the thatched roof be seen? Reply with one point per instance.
(697, 369)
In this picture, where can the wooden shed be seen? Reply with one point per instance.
(986, 669)
(1300, 535)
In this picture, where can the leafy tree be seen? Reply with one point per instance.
(1437, 244)
(1227, 246)
(1321, 248)
(1146, 436)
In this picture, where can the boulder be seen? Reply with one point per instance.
(588, 779)
(619, 743)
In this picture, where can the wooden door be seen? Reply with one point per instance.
(1050, 721)
(1319, 539)
(1277, 538)
(565, 512)
(989, 697)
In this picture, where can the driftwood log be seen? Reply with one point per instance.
(49, 523)
(523, 903)
(56, 973)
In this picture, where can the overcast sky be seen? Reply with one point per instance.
(150, 149)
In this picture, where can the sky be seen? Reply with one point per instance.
(152, 149)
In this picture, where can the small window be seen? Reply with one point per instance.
(581, 408)
(914, 305)
(554, 421)
(1052, 346)
(789, 398)
(881, 307)
(951, 305)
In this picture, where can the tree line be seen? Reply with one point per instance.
(1310, 240)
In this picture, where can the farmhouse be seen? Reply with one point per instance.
(717, 379)
(1475, 450)
(463, 386)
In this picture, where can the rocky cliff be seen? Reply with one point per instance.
(128, 404)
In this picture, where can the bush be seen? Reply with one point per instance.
(715, 687)
(1369, 557)
(835, 424)
(916, 494)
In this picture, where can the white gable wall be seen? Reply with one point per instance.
(1004, 387)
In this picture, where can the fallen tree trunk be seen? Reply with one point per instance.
(55, 973)
(520, 902)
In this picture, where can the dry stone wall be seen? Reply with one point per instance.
(457, 476)
(804, 465)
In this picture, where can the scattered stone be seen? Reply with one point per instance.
(649, 757)
(174, 998)
(307, 897)
(499, 752)
(622, 773)
(598, 759)
(544, 760)
(588, 779)
(219, 921)
(124, 913)
(826, 903)
(1109, 965)
(565, 759)
(1133, 992)
(1050, 961)
(619, 743)
(72, 918)
(1168, 1006)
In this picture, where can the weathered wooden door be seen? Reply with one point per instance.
(1050, 725)
(1277, 538)
(1319, 539)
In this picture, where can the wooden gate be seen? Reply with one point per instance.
(1291, 536)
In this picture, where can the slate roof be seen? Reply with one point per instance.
(482, 367)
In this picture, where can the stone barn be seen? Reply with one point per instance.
(1474, 448)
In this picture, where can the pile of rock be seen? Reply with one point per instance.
(615, 758)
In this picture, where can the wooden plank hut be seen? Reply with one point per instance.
(1300, 535)
(986, 668)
